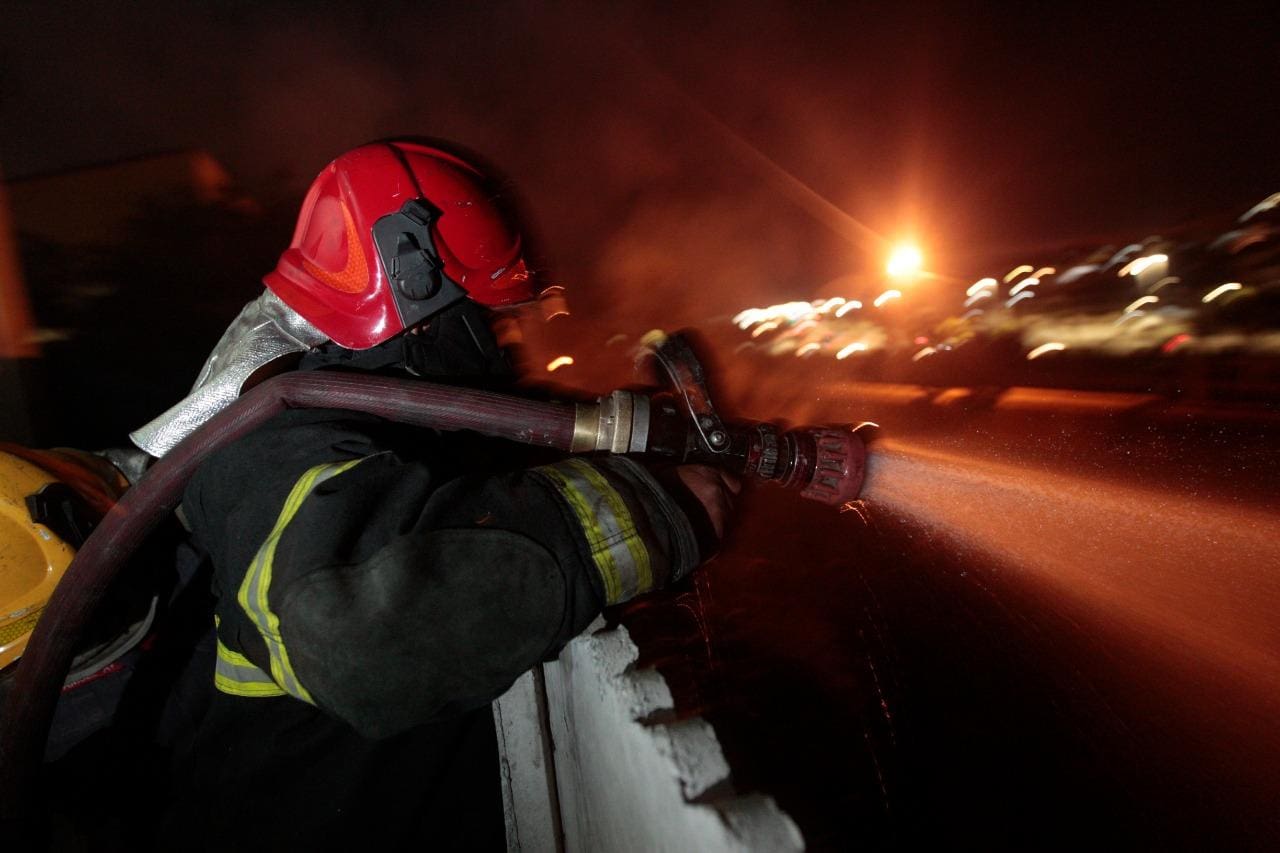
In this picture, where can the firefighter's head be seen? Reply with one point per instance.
(394, 233)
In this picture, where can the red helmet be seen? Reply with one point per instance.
(391, 233)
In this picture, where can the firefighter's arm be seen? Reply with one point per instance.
(389, 602)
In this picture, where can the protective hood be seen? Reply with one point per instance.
(265, 331)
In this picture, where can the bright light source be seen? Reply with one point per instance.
(808, 348)
(1138, 303)
(886, 296)
(905, 261)
(1031, 281)
(1043, 271)
(1017, 271)
(924, 353)
(980, 284)
(1218, 291)
(850, 350)
(1137, 266)
(851, 305)
(1044, 348)
(557, 363)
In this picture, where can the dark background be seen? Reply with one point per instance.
(890, 687)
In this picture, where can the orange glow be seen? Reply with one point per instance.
(906, 260)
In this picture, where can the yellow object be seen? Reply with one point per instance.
(32, 557)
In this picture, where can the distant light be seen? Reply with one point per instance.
(1017, 271)
(1137, 266)
(886, 296)
(808, 348)
(851, 305)
(980, 284)
(982, 294)
(905, 260)
(1169, 279)
(1261, 207)
(1218, 291)
(831, 303)
(1175, 342)
(1026, 294)
(972, 312)
(927, 351)
(765, 327)
(1138, 303)
(1030, 281)
(1044, 348)
(850, 350)
(557, 363)
(1128, 315)
(1043, 271)
(921, 340)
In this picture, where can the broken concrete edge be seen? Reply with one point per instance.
(687, 752)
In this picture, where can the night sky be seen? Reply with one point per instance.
(653, 141)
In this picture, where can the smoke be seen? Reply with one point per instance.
(676, 160)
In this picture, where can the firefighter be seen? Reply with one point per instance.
(379, 585)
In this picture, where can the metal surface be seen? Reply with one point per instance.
(265, 331)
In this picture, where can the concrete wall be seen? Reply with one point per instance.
(593, 758)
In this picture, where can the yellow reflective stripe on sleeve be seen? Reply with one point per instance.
(626, 524)
(235, 674)
(619, 553)
(252, 595)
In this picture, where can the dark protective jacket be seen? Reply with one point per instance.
(378, 586)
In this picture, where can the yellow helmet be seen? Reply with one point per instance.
(33, 558)
(49, 500)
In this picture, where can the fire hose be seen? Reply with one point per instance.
(824, 464)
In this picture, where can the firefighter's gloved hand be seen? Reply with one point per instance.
(706, 495)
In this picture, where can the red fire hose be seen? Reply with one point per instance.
(28, 708)
(825, 464)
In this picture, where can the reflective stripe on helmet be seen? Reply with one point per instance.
(620, 555)
(257, 581)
